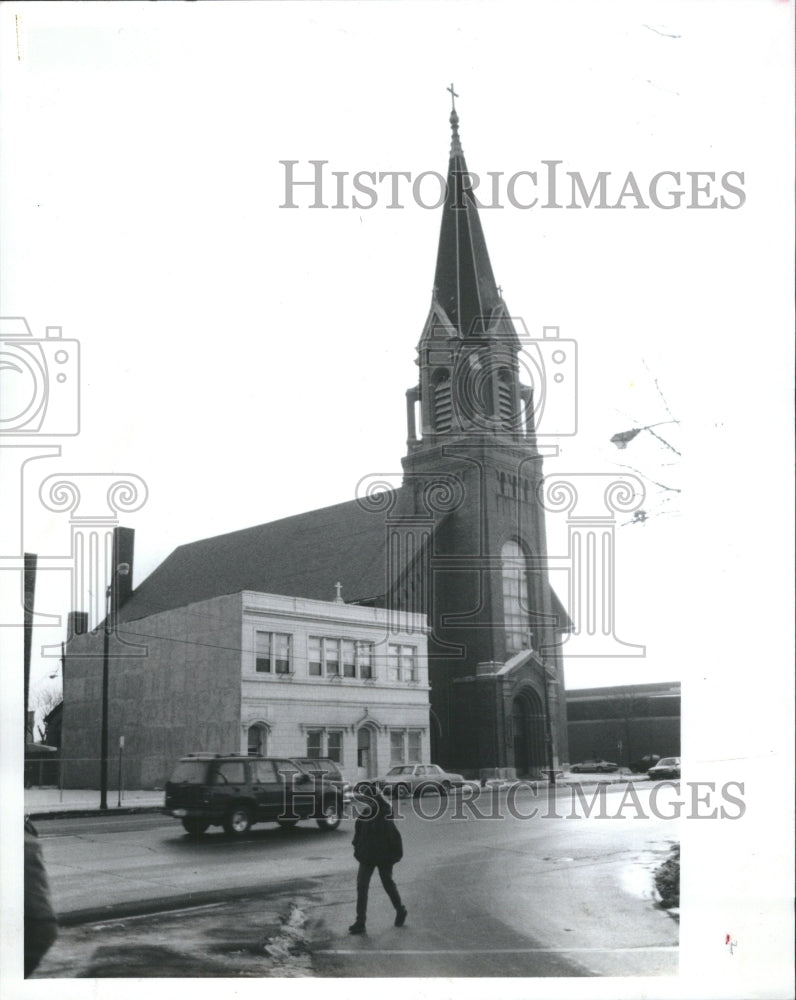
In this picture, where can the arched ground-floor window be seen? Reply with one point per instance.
(258, 740)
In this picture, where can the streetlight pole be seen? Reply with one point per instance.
(110, 613)
(106, 635)
(548, 735)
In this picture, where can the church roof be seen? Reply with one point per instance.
(464, 284)
(300, 556)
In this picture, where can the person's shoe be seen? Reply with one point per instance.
(400, 917)
(357, 928)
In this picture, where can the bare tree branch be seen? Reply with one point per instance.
(663, 486)
(43, 699)
(660, 391)
(664, 441)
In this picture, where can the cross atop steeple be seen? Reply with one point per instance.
(456, 146)
(454, 95)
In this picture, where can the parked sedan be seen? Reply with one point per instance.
(594, 766)
(414, 779)
(667, 767)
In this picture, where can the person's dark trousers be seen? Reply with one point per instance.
(363, 882)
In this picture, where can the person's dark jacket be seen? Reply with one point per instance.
(377, 840)
(41, 926)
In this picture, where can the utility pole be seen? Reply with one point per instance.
(111, 601)
(29, 596)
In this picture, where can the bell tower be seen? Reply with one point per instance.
(497, 693)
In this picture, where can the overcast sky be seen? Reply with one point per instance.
(249, 361)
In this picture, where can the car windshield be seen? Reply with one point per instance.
(403, 769)
(667, 761)
(189, 772)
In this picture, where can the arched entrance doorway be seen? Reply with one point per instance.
(366, 753)
(527, 726)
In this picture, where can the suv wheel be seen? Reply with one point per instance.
(330, 818)
(238, 821)
(196, 827)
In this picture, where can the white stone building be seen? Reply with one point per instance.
(327, 679)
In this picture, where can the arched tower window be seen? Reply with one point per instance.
(516, 617)
(442, 402)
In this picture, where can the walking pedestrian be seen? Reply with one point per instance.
(377, 845)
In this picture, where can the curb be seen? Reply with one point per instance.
(87, 813)
(183, 901)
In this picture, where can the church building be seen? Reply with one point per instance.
(452, 564)
(477, 563)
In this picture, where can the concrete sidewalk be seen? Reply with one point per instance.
(46, 803)
(49, 803)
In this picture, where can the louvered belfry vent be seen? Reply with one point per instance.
(442, 405)
(505, 399)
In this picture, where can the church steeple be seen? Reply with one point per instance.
(467, 536)
(468, 353)
(464, 284)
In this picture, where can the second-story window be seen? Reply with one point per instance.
(272, 653)
(314, 657)
(364, 657)
(349, 661)
(331, 657)
(351, 658)
(401, 663)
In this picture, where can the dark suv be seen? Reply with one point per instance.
(325, 771)
(644, 763)
(234, 791)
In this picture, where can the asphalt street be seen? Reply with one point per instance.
(496, 896)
